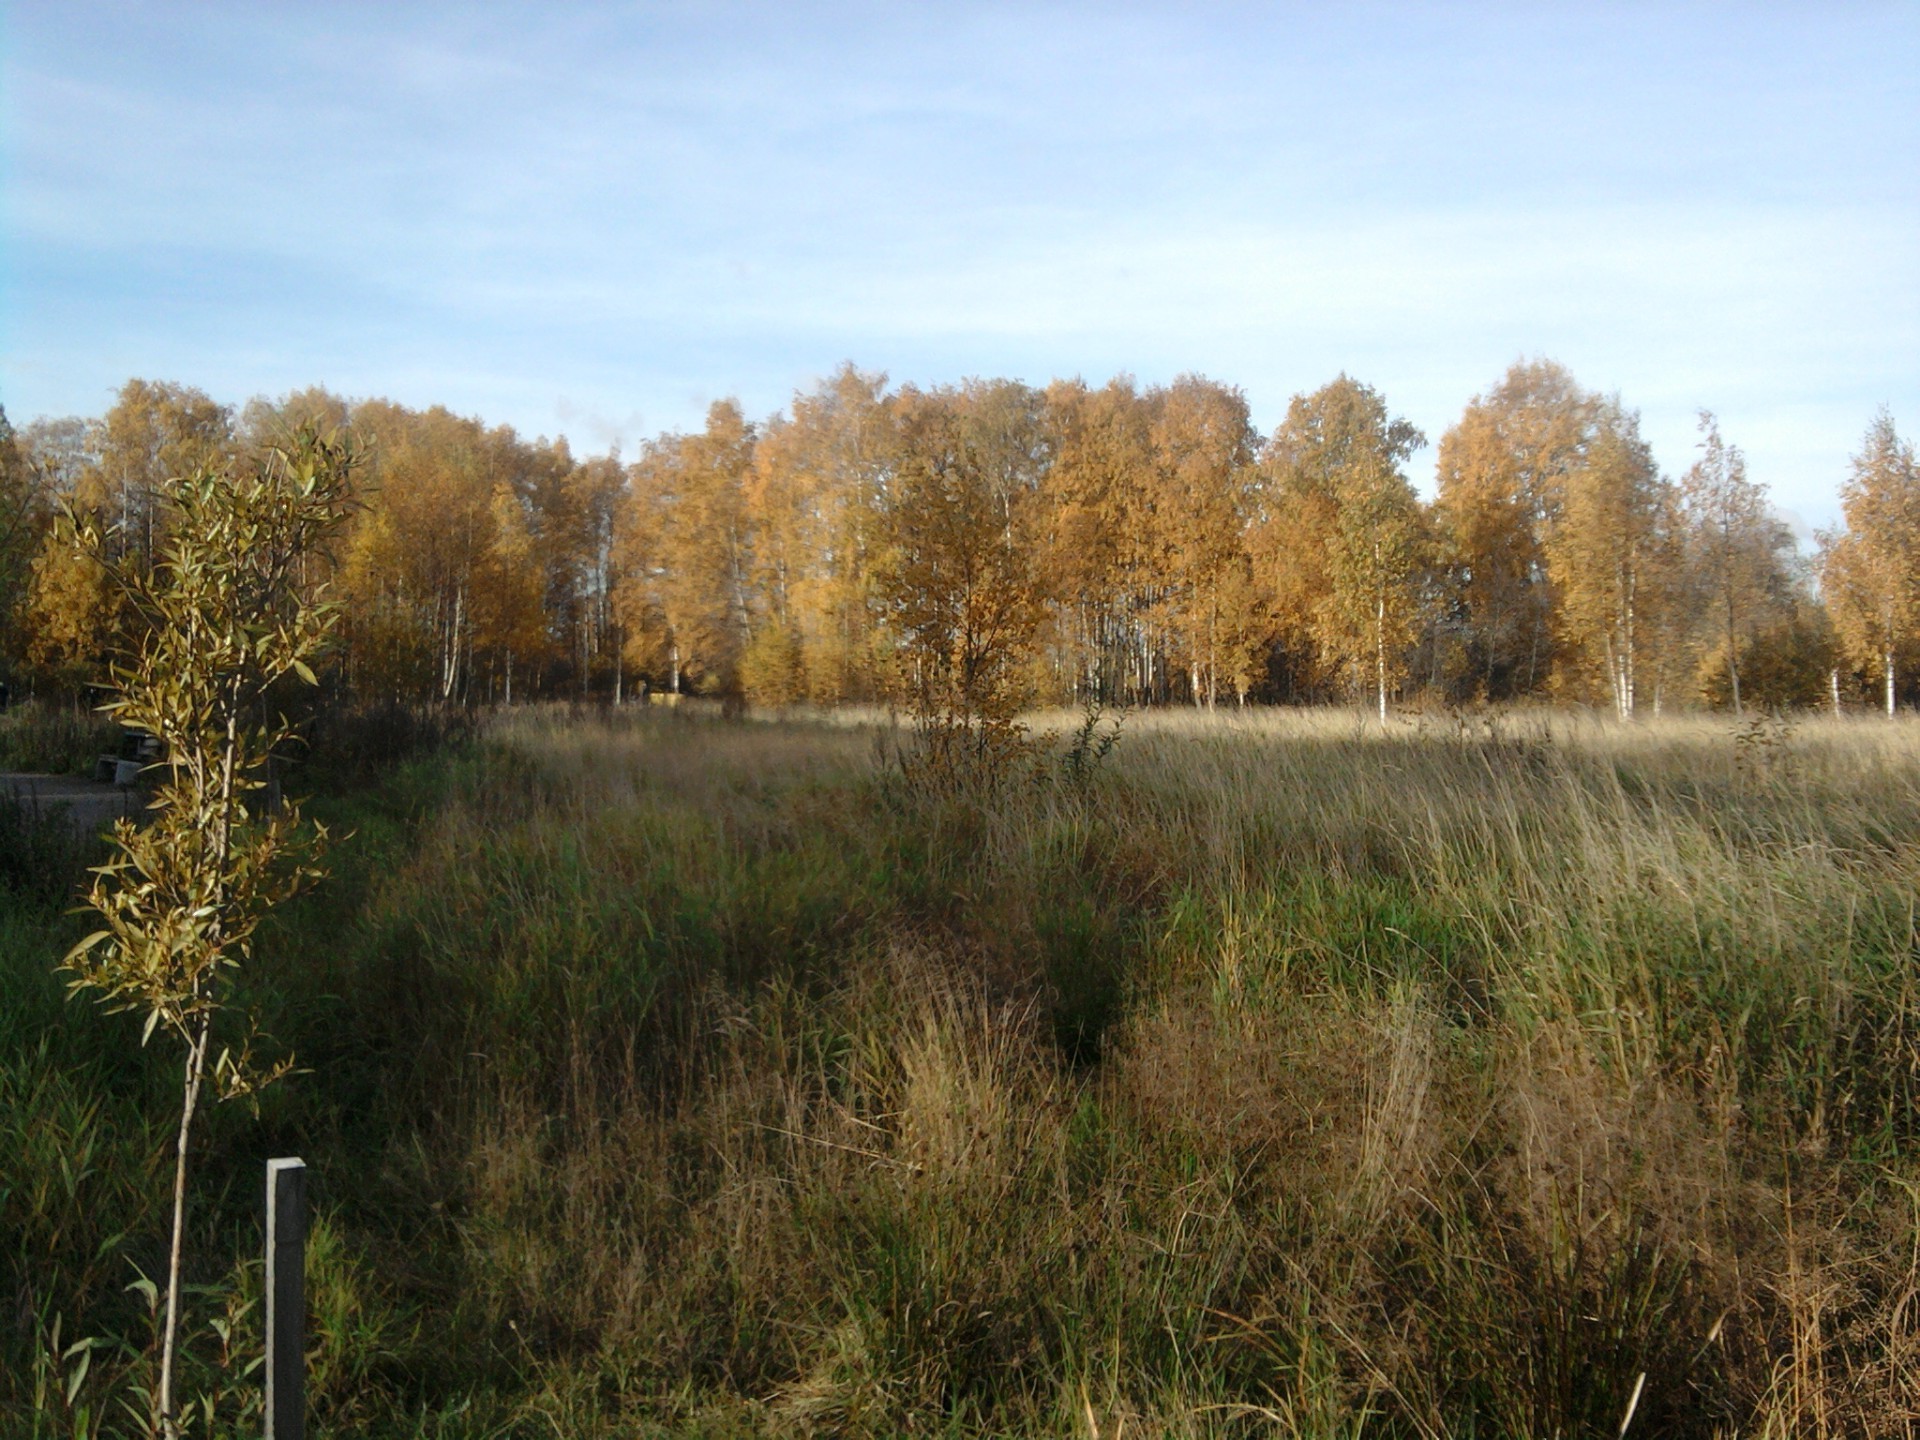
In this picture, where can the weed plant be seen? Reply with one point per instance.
(54, 739)
(1278, 1075)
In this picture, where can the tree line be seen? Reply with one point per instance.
(992, 544)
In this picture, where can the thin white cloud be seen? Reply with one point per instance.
(638, 207)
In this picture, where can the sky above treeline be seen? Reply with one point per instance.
(593, 220)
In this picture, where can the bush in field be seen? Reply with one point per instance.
(225, 612)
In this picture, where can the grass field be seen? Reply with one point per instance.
(1281, 1075)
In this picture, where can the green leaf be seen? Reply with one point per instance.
(81, 949)
(79, 1375)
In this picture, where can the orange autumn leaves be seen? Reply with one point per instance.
(1003, 544)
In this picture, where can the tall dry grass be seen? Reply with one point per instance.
(1295, 1075)
(1286, 1074)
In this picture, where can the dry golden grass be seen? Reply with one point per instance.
(1285, 1075)
(1444, 1071)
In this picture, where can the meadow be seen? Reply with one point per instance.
(1274, 1074)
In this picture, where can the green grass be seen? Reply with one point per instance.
(1283, 1077)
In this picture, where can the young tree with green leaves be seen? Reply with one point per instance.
(226, 611)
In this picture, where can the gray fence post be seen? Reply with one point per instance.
(286, 1299)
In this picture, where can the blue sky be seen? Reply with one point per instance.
(592, 220)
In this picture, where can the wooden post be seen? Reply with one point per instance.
(286, 1299)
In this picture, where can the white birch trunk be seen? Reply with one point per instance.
(1380, 652)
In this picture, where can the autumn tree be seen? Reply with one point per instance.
(1289, 547)
(515, 591)
(954, 568)
(1352, 530)
(582, 540)
(1501, 482)
(154, 431)
(24, 516)
(818, 474)
(1870, 571)
(1611, 557)
(639, 563)
(689, 560)
(60, 451)
(1203, 448)
(1094, 541)
(784, 500)
(411, 560)
(552, 536)
(112, 471)
(434, 595)
(1169, 554)
(71, 614)
(1788, 660)
(65, 613)
(265, 422)
(1734, 551)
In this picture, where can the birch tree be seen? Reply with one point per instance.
(1870, 571)
(818, 474)
(1610, 555)
(690, 557)
(1734, 546)
(1094, 539)
(25, 514)
(1351, 573)
(1502, 477)
(1203, 443)
(955, 570)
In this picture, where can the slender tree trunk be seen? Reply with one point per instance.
(1890, 688)
(1732, 646)
(1213, 655)
(1613, 674)
(194, 1072)
(196, 1064)
(1380, 652)
(450, 654)
(1733, 657)
(1833, 685)
(1627, 654)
